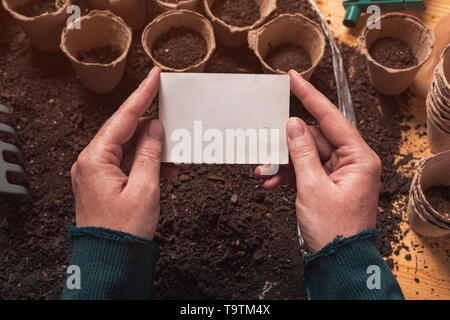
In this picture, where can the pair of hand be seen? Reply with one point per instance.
(336, 174)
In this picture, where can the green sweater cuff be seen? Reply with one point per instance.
(111, 264)
(350, 268)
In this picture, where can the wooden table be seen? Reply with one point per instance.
(427, 274)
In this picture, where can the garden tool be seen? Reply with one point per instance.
(5, 167)
(356, 7)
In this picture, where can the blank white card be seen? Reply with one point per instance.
(224, 118)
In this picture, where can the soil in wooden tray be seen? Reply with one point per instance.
(240, 13)
(289, 56)
(36, 8)
(102, 55)
(393, 53)
(180, 48)
(439, 199)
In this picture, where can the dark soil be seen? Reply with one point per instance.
(102, 55)
(294, 6)
(240, 13)
(287, 57)
(393, 53)
(439, 199)
(36, 8)
(220, 235)
(180, 48)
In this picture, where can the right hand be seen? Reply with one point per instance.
(337, 175)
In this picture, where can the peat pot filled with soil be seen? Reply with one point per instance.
(98, 51)
(438, 106)
(233, 19)
(290, 41)
(41, 20)
(133, 12)
(180, 41)
(395, 52)
(429, 198)
(194, 5)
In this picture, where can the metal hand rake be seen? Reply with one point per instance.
(7, 167)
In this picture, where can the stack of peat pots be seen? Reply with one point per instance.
(438, 105)
(423, 218)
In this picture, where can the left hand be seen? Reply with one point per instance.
(116, 177)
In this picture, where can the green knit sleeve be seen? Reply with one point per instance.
(110, 265)
(350, 268)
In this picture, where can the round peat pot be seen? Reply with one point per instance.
(438, 106)
(133, 12)
(99, 29)
(235, 36)
(293, 30)
(194, 5)
(411, 31)
(190, 21)
(44, 31)
(423, 218)
(425, 210)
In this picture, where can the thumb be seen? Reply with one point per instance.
(147, 159)
(305, 158)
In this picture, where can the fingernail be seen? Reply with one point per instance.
(152, 71)
(155, 130)
(295, 74)
(295, 128)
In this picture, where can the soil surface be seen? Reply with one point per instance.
(439, 199)
(180, 48)
(102, 55)
(240, 13)
(221, 235)
(287, 57)
(393, 53)
(36, 8)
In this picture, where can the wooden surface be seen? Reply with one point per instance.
(427, 274)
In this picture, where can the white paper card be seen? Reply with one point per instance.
(224, 118)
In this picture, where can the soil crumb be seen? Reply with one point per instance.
(180, 48)
(287, 57)
(393, 53)
(439, 199)
(240, 13)
(102, 55)
(37, 8)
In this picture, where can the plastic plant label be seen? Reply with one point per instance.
(224, 118)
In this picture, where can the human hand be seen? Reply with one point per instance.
(116, 177)
(337, 175)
